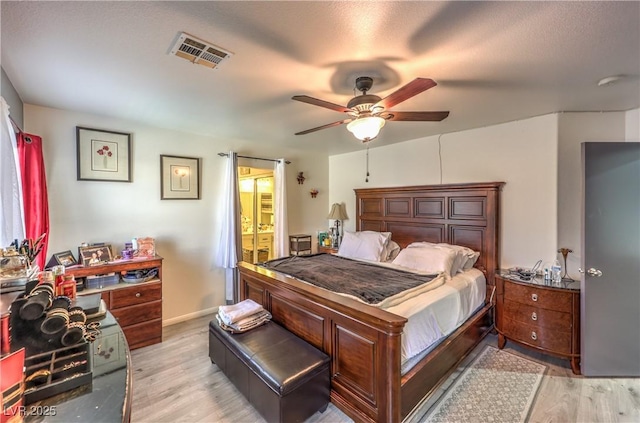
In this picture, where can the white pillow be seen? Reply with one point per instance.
(366, 245)
(465, 257)
(470, 256)
(390, 251)
(426, 259)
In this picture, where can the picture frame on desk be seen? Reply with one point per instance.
(64, 258)
(95, 255)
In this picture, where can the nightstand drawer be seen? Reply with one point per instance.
(551, 340)
(537, 297)
(136, 295)
(537, 316)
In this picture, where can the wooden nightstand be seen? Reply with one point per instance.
(328, 250)
(539, 315)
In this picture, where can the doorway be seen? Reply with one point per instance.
(256, 213)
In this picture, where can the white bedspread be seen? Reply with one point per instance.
(439, 312)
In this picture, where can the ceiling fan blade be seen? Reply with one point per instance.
(329, 125)
(415, 116)
(414, 87)
(321, 103)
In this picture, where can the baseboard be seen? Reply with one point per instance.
(189, 316)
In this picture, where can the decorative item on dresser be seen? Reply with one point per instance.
(137, 307)
(540, 315)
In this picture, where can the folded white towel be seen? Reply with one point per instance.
(250, 321)
(246, 324)
(236, 312)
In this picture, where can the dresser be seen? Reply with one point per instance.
(540, 315)
(137, 307)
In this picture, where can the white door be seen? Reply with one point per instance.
(610, 284)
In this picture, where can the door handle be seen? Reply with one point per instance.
(592, 271)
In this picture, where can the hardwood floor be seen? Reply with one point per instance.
(176, 382)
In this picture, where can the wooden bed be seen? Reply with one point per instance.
(363, 341)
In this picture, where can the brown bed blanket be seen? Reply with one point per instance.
(368, 282)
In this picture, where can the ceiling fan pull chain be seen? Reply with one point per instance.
(367, 178)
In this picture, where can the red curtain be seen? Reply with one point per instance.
(34, 191)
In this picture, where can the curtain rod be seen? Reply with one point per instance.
(255, 158)
(16, 128)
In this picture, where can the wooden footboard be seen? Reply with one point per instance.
(362, 341)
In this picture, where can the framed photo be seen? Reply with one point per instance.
(179, 178)
(65, 258)
(103, 155)
(94, 256)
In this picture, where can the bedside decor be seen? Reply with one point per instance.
(179, 178)
(103, 155)
(337, 212)
(565, 252)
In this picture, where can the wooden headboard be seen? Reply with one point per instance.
(461, 214)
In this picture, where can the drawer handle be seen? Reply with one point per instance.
(534, 297)
(534, 336)
(534, 316)
(137, 295)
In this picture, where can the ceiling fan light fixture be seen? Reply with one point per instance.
(366, 128)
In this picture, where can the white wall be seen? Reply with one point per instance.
(573, 130)
(523, 154)
(632, 125)
(186, 231)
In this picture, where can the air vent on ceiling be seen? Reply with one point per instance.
(199, 52)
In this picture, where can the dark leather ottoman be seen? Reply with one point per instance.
(283, 377)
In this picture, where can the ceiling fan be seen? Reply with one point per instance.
(368, 113)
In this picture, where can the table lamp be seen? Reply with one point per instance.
(337, 212)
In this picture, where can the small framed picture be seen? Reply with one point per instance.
(103, 155)
(179, 178)
(65, 258)
(94, 256)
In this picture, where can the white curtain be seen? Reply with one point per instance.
(281, 234)
(11, 201)
(230, 247)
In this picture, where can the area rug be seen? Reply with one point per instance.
(496, 387)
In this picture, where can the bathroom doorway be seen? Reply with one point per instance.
(256, 213)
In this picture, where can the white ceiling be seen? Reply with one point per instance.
(493, 61)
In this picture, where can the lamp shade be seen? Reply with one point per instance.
(337, 212)
(366, 128)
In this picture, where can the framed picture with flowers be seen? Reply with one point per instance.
(179, 178)
(103, 155)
